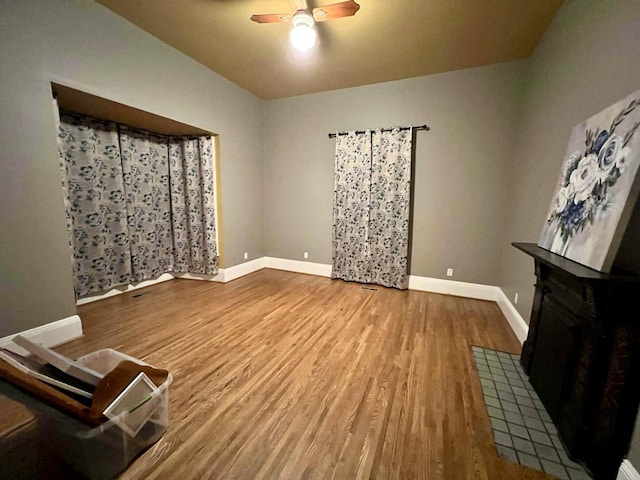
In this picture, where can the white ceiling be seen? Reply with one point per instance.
(386, 40)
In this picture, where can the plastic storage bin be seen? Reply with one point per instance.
(104, 451)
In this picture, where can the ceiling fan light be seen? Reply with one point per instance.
(303, 37)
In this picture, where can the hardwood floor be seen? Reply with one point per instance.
(287, 376)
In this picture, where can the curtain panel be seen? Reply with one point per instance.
(389, 210)
(351, 198)
(371, 213)
(193, 205)
(138, 204)
(146, 182)
(95, 203)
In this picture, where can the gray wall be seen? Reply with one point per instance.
(462, 165)
(85, 46)
(588, 59)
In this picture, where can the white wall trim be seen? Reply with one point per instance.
(518, 325)
(219, 277)
(452, 287)
(627, 471)
(228, 274)
(243, 269)
(125, 288)
(298, 266)
(49, 334)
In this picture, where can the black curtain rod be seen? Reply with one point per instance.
(416, 127)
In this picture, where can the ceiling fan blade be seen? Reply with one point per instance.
(335, 10)
(271, 18)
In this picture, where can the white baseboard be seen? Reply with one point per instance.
(243, 269)
(124, 288)
(227, 274)
(517, 323)
(452, 287)
(298, 266)
(627, 472)
(219, 277)
(49, 335)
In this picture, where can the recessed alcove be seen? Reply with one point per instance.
(72, 100)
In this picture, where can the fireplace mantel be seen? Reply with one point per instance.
(582, 355)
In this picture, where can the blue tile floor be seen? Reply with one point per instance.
(522, 429)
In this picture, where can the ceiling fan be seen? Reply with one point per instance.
(303, 34)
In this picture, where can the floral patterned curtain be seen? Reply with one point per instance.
(138, 204)
(351, 197)
(145, 164)
(193, 205)
(95, 204)
(63, 176)
(372, 207)
(389, 208)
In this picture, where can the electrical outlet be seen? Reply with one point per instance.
(246, 255)
(449, 272)
(515, 298)
(306, 254)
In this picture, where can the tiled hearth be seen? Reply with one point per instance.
(522, 429)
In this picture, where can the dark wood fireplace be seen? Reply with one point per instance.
(582, 355)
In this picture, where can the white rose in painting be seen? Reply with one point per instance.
(584, 178)
(562, 198)
(569, 166)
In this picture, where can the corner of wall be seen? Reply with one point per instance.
(517, 323)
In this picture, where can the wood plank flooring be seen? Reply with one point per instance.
(287, 376)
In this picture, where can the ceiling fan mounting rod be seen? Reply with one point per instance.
(300, 4)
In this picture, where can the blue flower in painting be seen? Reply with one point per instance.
(600, 139)
(573, 215)
(609, 153)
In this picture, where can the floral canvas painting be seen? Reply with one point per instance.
(597, 188)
